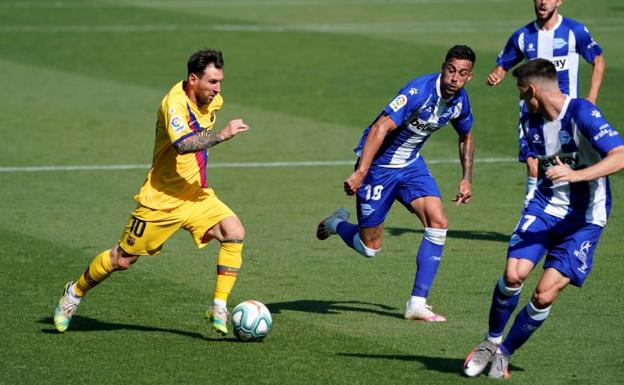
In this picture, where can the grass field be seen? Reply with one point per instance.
(81, 81)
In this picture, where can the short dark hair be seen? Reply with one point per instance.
(462, 52)
(198, 61)
(536, 68)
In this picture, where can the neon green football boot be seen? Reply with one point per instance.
(218, 316)
(65, 309)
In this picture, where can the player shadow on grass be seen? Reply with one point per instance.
(334, 307)
(438, 364)
(88, 324)
(493, 236)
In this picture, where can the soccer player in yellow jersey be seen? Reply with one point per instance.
(176, 193)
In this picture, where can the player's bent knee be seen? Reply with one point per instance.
(542, 299)
(439, 223)
(361, 248)
(121, 260)
(513, 279)
(232, 228)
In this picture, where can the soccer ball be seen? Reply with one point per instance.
(251, 321)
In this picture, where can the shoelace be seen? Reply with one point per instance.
(220, 313)
(499, 364)
(482, 354)
(68, 307)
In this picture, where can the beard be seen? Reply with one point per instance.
(546, 17)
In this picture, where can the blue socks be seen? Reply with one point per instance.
(504, 302)
(527, 321)
(428, 260)
(347, 231)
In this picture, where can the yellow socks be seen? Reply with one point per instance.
(228, 263)
(99, 269)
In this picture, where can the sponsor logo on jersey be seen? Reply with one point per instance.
(559, 43)
(581, 254)
(398, 103)
(413, 91)
(571, 160)
(418, 125)
(176, 123)
(596, 114)
(560, 63)
(531, 47)
(172, 111)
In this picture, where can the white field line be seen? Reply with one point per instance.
(345, 28)
(321, 163)
(224, 3)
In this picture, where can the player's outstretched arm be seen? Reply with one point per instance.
(496, 76)
(466, 158)
(613, 162)
(206, 138)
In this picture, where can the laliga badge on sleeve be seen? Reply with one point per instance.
(176, 123)
(398, 103)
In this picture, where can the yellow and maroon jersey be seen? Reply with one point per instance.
(174, 178)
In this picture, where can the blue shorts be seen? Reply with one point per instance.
(383, 185)
(568, 244)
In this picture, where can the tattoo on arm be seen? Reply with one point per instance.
(200, 141)
(466, 156)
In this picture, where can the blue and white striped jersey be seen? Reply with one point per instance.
(418, 110)
(561, 45)
(580, 137)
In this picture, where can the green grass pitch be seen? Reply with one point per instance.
(80, 82)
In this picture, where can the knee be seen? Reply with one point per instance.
(439, 223)
(120, 260)
(513, 279)
(234, 230)
(368, 250)
(542, 299)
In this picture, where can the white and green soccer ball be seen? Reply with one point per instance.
(251, 321)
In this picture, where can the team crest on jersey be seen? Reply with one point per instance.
(559, 43)
(176, 123)
(564, 137)
(398, 103)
